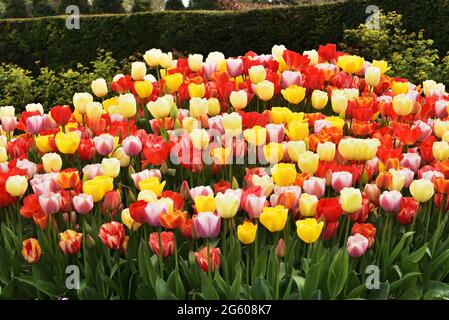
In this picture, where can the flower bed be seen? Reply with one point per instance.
(279, 176)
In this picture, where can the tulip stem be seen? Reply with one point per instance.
(161, 260)
(208, 260)
(248, 252)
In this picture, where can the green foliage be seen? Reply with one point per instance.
(204, 5)
(107, 6)
(15, 86)
(15, 9)
(410, 55)
(174, 5)
(42, 8)
(142, 5)
(83, 5)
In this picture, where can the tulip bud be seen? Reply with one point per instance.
(372, 76)
(257, 74)
(138, 70)
(319, 99)
(52, 162)
(402, 105)
(339, 103)
(195, 62)
(280, 248)
(99, 87)
(350, 200)
(152, 57)
(239, 99)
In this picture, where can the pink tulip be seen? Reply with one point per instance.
(290, 77)
(373, 165)
(341, 180)
(390, 200)
(207, 225)
(426, 130)
(153, 211)
(28, 166)
(275, 132)
(34, 124)
(132, 146)
(411, 161)
(357, 245)
(431, 175)
(441, 109)
(409, 175)
(216, 125)
(373, 192)
(314, 186)
(254, 205)
(83, 203)
(48, 122)
(50, 203)
(235, 67)
(9, 123)
(320, 125)
(93, 170)
(201, 191)
(209, 67)
(43, 188)
(104, 144)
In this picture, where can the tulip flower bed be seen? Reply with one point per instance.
(279, 176)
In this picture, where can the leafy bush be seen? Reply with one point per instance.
(15, 85)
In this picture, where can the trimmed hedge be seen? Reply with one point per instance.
(25, 41)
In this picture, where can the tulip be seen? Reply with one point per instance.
(147, 196)
(308, 162)
(104, 144)
(308, 205)
(351, 64)
(273, 152)
(128, 221)
(208, 264)
(440, 150)
(256, 136)
(80, 101)
(99, 87)
(294, 94)
(195, 62)
(257, 74)
(213, 107)
(111, 167)
(50, 203)
(372, 76)
(70, 241)
(199, 138)
(341, 180)
(274, 218)
(399, 88)
(127, 105)
(160, 108)
(309, 230)
(153, 184)
(275, 132)
(52, 162)
(411, 161)
(152, 57)
(3, 155)
(339, 102)
(132, 146)
(254, 205)
(198, 107)
(278, 50)
(174, 81)
(31, 250)
(265, 90)
(166, 60)
(34, 124)
(143, 89)
(319, 99)
(35, 107)
(350, 200)
(9, 124)
(227, 205)
(97, 187)
(297, 130)
(247, 232)
(16, 186)
(94, 110)
(196, 90)
(7, 111)
(357, 245)
(200, 191)
(167, 240)
(234, 67)
(83, 203)
(112, 235)
(138, 70)
(205, 203)
(390, 200)
(312, 55)
(397, 180)
(422, 190)
(239, 99)
(67, 143)
(315, 186)
(207, 225)
(326, 151)
(232, 124)
(284, 174)
(402, 104)
(295, 148)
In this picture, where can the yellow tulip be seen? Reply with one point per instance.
(67, 143)
(273, 152)
(265, 90)
(121, 156)
(402, 105)
(284, 174)
(440, 127)
(152, 184)
(80, 101)
(213, 107)
(99, 87)
(173, 81)
(43, 144)
(247, 232)
(319, 99)
(52, 162)
(308, 204)
(326, 151)
(205, 203)
(422, 190)
(152, 57)
(274, 218)
(221, 155)
(339, 102)
(309, 230)
(381, 64)
(336, 122)
(160, 108)
(3, 154)
(256, 136)
(232, 123)
(397, 180)
(227, 205)
(440, 150)
(94, 110)
(111, 167)
(294, 94)
(372, 76)
(129, 221)
(295, 148)
(297, 130)
(308, 162)
(257, 74)
(431, 86)
(198, 107)
(143, 89)
(280, 115)
(98, 186)
(399, 88)
(196, 90)
(16, 186)
(200, 138)
(147, 196)
(239, 99)
(350, 200)
(351, 64)
(190, 123)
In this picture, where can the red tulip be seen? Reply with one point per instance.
(214, 257)
(330, 209)
(365, 229)
(137, 211)
(61, 114)
(113, 235)
(167, 241)
(408, 209)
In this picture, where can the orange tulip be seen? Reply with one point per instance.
(173, 220)
(31, 250)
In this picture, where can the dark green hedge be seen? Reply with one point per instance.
(25, 41)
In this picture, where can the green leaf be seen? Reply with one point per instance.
(396, 284)
(383, 293)
(398, 248)
(163, 290)
(236, 284)
(312, 280)
(338, 273)
(48, 288)
(440, 261)
(436, 290)
(208, 290)
(416, 256)
(261, 290)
